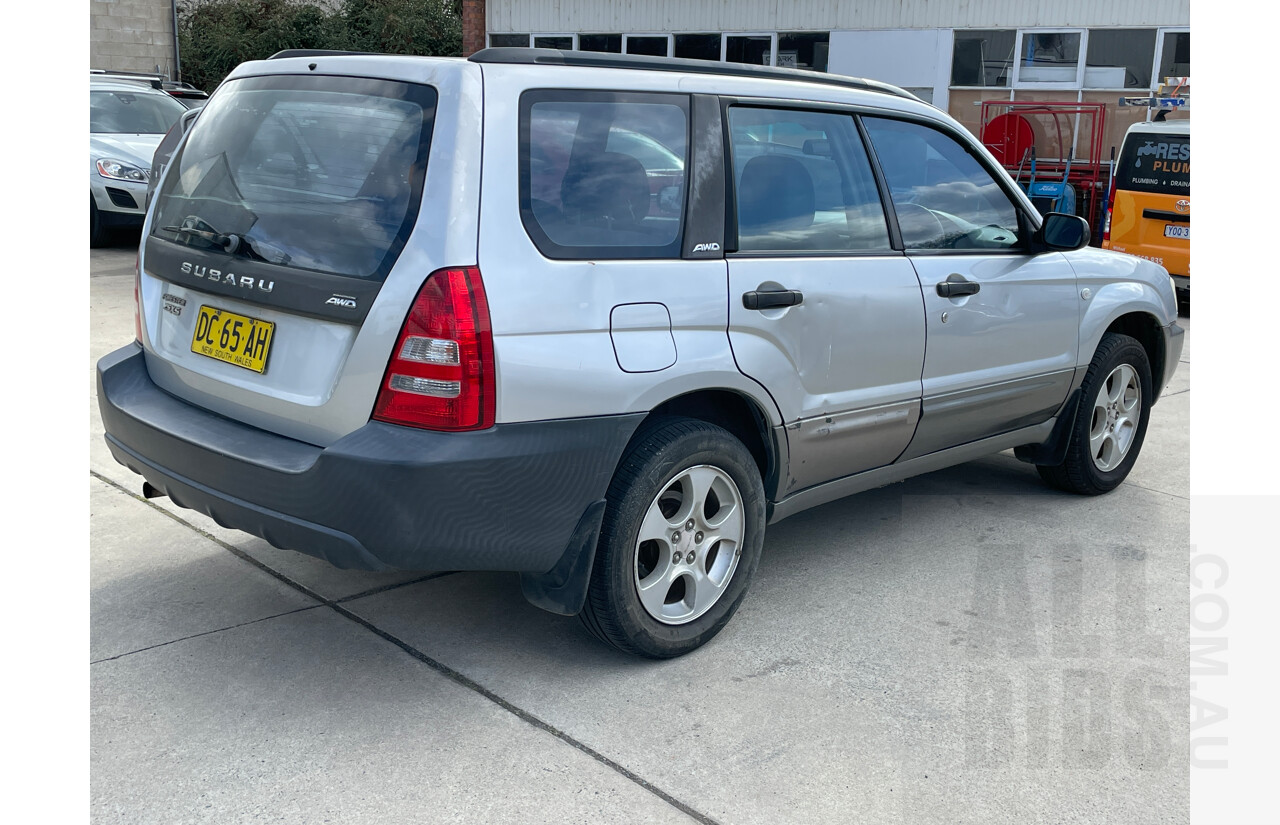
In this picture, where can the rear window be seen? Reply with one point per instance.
(1155, 163)
(317, 173)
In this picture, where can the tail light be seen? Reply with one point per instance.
(1106, 220)
(441, 374)
(137, 300)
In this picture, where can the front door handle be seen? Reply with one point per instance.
(772, 299)
(956, 285)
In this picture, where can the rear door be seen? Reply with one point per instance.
(1002, 323)
(822, 310)
(1151, 213)
(278, 264)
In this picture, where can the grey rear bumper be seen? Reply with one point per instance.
(385, 496)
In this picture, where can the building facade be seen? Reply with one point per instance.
(132, 36)
(954, 55)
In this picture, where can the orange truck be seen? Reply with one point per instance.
(1149, 208)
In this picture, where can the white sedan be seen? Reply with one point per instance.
(127, 120)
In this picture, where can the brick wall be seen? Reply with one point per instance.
(131, 35)
(473, 26)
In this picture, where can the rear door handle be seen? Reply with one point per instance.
(772, 299)
(956, 285)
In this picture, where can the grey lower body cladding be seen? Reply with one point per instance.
(385, 496)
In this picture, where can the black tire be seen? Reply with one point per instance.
(98, 233)
(662, 451)
(1184, 301)
(1078, 473)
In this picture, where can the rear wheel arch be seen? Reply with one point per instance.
(742, 416)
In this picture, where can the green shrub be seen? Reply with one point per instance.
(215, 36)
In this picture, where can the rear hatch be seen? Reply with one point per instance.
(1151, 216)
(281, 255)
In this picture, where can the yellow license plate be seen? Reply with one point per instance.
(235, 339)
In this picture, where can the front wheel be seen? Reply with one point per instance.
(1111, 421)
(682, 534)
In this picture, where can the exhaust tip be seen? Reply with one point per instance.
(150, 492)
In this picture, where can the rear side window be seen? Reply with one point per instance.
(1155, 163)
(803, 182)
(317, 173)
(602, 174)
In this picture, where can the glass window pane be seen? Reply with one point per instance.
(600, 43)
(803, 182)
(698, 46)
(806, 50)
(943, 197)
(652, 46)
(321, 178)
(983, 57)
(1120, 58)
(564, 42)
(1175, 58)
(1049, 57)
(509, 40)
(1155, 163)
(753, 49)
(601, 174)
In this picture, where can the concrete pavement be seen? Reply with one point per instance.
(967, 646)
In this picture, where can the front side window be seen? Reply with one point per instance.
(944, 198)
(803, 182)
(602, 174)
(318, 173)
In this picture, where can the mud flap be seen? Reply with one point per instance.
(563, 588)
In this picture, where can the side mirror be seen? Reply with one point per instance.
(1062, 232)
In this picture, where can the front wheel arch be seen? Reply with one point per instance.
(1146, 330)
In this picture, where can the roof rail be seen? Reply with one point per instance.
(155, 81)
(602, 60)
(280, 55)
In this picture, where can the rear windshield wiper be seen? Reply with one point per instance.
(228, 242)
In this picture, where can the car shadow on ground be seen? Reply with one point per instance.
(123, 238)
(472, 620)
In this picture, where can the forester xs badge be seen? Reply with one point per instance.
(345, 301)
(218, 276)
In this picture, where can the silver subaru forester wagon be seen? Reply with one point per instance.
(598, 319)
